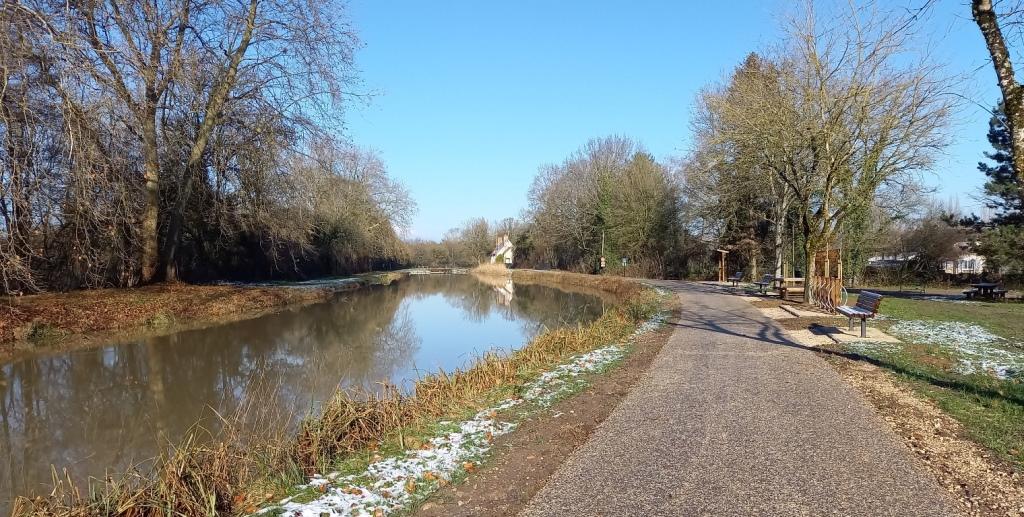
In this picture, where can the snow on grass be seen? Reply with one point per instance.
(393, 484)
(872, 347)
(949, 299)
(318, 283)
(564, 379)
(977, 349)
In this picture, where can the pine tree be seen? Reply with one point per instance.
(1003, 187)
(1003, 243)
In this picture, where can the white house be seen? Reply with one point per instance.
(893, 260)
(504, 251)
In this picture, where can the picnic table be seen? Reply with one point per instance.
(985, 290)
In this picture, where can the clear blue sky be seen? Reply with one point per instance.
(473, 96)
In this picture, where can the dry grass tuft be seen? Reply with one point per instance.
(493, 270)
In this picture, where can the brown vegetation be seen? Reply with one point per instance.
(67, 318)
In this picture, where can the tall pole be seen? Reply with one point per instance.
(602, 249)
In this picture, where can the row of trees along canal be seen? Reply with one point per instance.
(147, 141)
(820, 143)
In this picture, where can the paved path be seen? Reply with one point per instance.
(734, 419)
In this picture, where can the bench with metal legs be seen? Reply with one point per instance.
(866, 307)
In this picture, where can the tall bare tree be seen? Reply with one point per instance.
(849, 116)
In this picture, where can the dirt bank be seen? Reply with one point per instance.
(65, 320)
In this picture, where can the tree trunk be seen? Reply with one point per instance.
(214, 106)
(1013, 97)
(780, 229)
(151, 203)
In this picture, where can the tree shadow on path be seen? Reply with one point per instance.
(726, 317)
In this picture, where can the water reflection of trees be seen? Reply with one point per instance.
(535, 305)
(103, 408)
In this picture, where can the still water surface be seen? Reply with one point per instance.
(104, 408)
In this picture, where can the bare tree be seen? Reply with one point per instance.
(849, 117)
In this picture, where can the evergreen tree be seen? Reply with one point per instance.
(1002, 244)
(1004, 184)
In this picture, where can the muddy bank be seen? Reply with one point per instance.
(81, 318)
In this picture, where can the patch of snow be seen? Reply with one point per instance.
(977, 349)
(949, 299)
(390, 484)
(303, 284)
(553, 384)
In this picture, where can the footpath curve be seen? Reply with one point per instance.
(733, 418)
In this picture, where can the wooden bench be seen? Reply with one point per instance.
(866, 307)
(970, 293)
(736, 278)
(766, 281)
(999, 293)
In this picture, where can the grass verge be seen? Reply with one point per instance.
(235, 473)
(954, 357)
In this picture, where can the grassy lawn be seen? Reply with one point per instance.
(967, 358)
(1001, 318)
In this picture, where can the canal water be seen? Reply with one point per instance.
(101, 409)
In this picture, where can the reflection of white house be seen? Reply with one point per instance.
(504, 251)
(505, 293)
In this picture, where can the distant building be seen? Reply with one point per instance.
(894, 260)
(968, 263)
(504, 251)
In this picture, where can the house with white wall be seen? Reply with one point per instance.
(504, 251)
